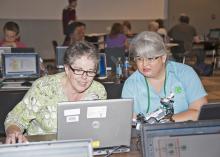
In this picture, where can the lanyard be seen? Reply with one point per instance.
(148, 92)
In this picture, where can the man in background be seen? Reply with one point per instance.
(185, 35)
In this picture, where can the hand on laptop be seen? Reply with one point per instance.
(14, 135)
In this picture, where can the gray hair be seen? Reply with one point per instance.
(79, 49)
(147, 44)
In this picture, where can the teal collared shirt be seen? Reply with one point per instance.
(181, 80)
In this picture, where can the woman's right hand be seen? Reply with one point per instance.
(14, 135)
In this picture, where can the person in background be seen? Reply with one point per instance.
(36, 113)
(69, 15)
(153, 26)
(11, 32)
(76, 32)
(162, 31)
(156, 78)
(186, 33)
(127, 29)
(116, 38)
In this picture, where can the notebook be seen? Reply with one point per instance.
(210, 111)
(106, 122)
(76, 148)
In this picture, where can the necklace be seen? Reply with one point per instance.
(148, 91)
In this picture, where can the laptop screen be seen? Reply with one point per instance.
(210, 111)
(60, 51)
(76, 148)
(214, 34)
(102, 72)
(20, 65)
(197, 139)
(106, 122)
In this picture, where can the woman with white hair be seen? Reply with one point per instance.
(157, 78)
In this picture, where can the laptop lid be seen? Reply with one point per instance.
(76, 148)
(60, 51)
(181, 139)
(210, 111)
(106, 122)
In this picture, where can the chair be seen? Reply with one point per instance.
(112, 54)
(8, 101)
(178, 52)
(54, 44)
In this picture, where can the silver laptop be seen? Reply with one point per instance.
(106, 122)
(68, 148)
(60, 51)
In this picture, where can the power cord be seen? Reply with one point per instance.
(110, 152)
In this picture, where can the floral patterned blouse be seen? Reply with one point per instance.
(37, 111)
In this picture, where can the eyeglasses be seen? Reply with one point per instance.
(81, 72)
(148, 60)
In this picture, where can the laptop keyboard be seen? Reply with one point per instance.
(14, 85)
(104, 151)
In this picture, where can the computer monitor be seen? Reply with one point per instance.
(20, 65)
(22, 50)
(214, 34)
(60, 51)
(102, 72)
(68, 148)
(183, 139)
(210, 111)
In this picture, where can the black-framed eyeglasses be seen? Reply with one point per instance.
(149, 60)
(81, 72)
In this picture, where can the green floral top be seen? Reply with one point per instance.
(37, 112)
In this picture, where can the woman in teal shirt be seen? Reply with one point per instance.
(157, 78)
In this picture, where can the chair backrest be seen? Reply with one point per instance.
(112, 54)
(54, 44)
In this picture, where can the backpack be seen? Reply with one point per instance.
(204, 69)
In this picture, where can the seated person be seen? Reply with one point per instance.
(156, 78)
(127, 29)
(116, 38)
(37, 112)
(153, 26)
(11, 36)
(76, 32)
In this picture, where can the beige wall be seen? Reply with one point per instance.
(40, 33)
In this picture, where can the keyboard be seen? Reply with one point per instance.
(104, 151)
(13, 85)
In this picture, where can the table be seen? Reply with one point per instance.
(49, 137)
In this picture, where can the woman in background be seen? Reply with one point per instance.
(116, 38)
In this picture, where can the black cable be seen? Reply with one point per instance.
(112, 151)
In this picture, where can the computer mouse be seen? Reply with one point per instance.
(26, 83)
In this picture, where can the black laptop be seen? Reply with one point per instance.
(210, 111)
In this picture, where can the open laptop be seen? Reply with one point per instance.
(181, 139)
(210, 111)
(106, 122)
(19, 69)
(102, 72)
(68, 148)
